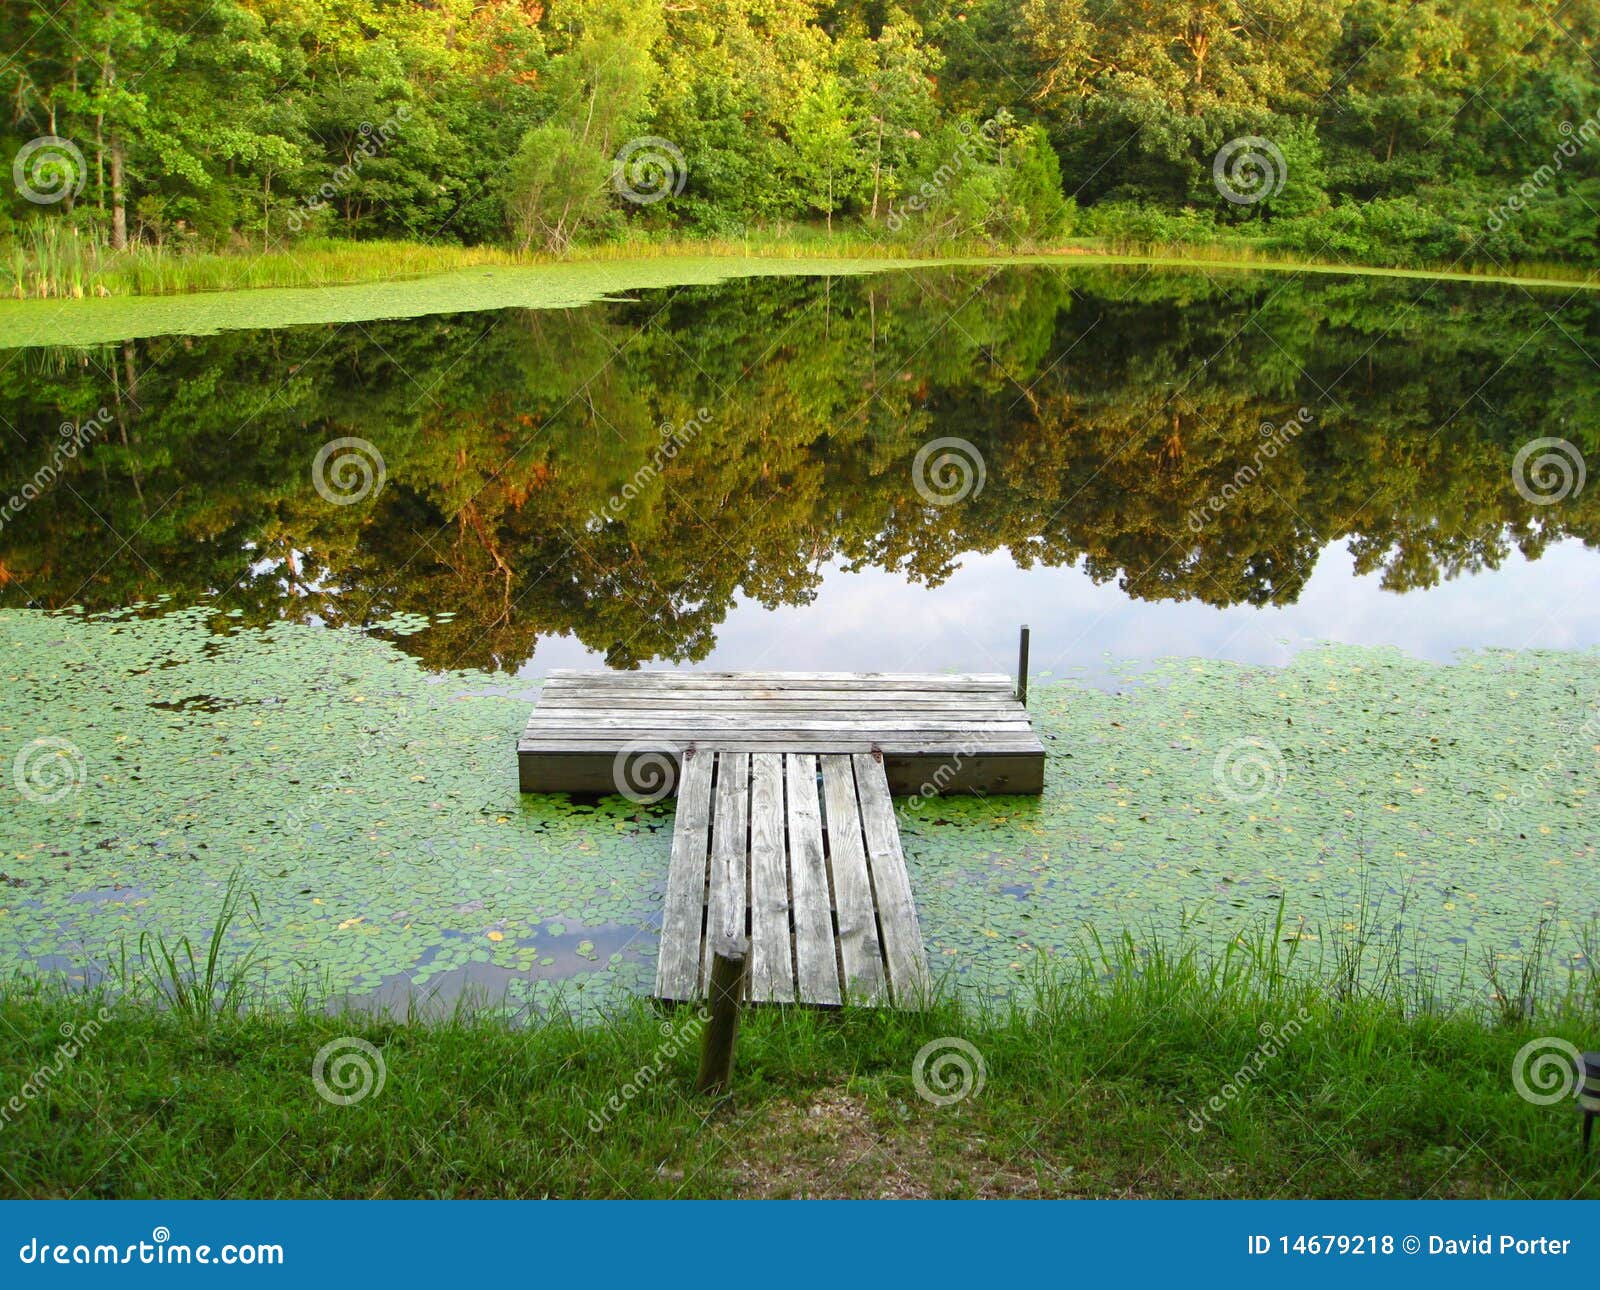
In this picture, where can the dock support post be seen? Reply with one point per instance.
(729, 969)
(1022, 667)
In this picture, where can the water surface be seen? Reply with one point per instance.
(307, 664)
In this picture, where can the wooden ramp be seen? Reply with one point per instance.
(800, 853)
(936, 733)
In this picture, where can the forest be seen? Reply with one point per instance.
(1390, 132)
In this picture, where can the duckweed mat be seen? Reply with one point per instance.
(369, 810)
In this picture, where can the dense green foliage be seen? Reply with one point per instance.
(1388, 131)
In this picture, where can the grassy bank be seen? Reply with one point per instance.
(1140, 1075)
(359, 282)
(61, 266)
(65, 267)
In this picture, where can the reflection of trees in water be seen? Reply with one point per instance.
(1109, 409)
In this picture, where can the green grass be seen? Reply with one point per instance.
(47, 261)
(357, 282)
(1103, 1087)
(46, 264)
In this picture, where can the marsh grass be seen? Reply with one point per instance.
(1136, 1069)
(49, 260)
(199, 988)
(1245, 253)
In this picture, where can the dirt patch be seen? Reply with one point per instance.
(833, 1145)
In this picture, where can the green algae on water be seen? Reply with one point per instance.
(372, 810)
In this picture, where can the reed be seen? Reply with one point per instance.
(1137, 1067)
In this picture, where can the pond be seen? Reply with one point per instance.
(274, 604)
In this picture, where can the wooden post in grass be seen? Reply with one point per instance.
(1588, 1094)
(729, 971)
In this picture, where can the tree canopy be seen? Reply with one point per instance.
(1387, 130)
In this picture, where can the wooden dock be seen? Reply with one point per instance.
(785, 833)
(936, 733)
(815, 880)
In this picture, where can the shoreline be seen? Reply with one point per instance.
(484, 284)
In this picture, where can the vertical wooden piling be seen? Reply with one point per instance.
(1022, 666)
(729, 971)
(1588, 1094)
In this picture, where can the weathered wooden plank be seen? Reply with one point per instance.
(905, 742)
(682, 915)
(779, 680)
(839, 702)
(860, 954)
(794, 723)
(817, 973)
(764, 674)
(956, 733)
(741, 714)
(998, 769)
(793, 690)
(565, 767)
(891, 886)
(730, 851)
(771, 952)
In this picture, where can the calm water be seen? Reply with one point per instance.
(313, 574)
(1138, 464)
